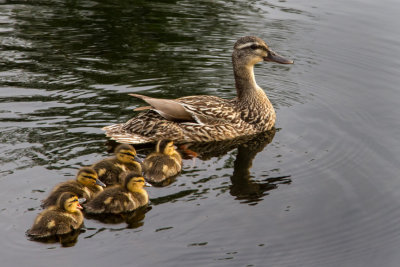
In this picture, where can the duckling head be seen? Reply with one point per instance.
(250, 50)
(135, 182)
(88, 177)
(69, 201)
(127, 154)
(166, 147)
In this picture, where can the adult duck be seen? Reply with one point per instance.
(205, 118)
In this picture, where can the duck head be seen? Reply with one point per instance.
(250, 50)
(69, 201)
(127, 154)
(165, 147)
(135, 182)
(88, 177)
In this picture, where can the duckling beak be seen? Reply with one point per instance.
(100, 183)
(80, 201)
(138, 159)
(147, 184)
(274, 57)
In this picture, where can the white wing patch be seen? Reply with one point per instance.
(247, 45)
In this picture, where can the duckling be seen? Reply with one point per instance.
(59, 219)
(85, 186)
(165, 162)
(112, 170)
(120, 198)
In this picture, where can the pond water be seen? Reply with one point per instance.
(322, 190)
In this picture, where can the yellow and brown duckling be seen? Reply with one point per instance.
(164, 163)
(112, 170)
(120, 198)
(85, 186)
(59, 219)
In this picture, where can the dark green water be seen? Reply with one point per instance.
(324, 192)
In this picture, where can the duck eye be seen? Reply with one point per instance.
(254, 47)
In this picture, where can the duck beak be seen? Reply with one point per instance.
(147, 184)
(80, 201)
(98, 182)
(274, 57)
(138, 159)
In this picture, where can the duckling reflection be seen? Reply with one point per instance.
(133, 219)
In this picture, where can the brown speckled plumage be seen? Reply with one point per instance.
(162, 164)
(113, 170)
(56, 220)
(119, 198)
(82, 190)
(205, 118)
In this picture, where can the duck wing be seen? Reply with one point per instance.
(168, 108)
(205, 118)
(201, 109)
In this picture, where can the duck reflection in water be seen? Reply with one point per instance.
(243, 187)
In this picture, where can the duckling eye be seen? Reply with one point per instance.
(254, 46)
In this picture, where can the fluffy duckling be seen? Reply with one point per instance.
(120, 198)
(112, 170)
(165, 162)
(59, 219)
(85, 186)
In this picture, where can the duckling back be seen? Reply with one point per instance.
(54, 221)
(157, 166)
(85, 186)
(115, 200)
(70, 186)
(111, 171)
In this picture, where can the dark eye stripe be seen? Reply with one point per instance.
(89, 177)
(254, 47)
(128, 154)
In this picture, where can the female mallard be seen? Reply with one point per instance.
(165, 162)
(120, 198)
(205, 118)
(59, 219)
(85, 186)
(112, 170)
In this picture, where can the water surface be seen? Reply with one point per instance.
(323, 190)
